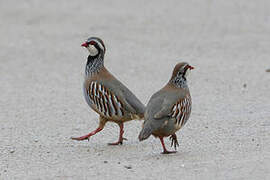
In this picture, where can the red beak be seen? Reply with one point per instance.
(190, 67)
(84, 44)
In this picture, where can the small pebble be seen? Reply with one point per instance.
(183, 165)
(118, 162)
(253, 139)
(12, 151)
(105, 162)
(245, 85)
(128, 167)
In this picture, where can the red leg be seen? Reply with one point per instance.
(87, 135)
(102, 123)
(121, 138)
(165, 151)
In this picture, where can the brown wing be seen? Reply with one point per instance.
(107, 103)
(181, 110)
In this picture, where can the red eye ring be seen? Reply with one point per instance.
(92, 42)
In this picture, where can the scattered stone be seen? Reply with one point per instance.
(245, 85)
(206, 127)
(105, 162)
(183, 165)
(267, 70)
(258, 145)
(12, 150)
(118, 162)
(253, 139)
(128, 167)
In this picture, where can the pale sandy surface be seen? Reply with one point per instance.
(42, 105)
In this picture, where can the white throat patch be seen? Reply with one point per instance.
(92, 50)
(187, 73)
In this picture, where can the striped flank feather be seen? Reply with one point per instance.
(181, 110)
(105, 101)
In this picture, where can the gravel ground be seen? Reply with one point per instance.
(42, 105)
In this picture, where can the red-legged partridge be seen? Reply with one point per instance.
(112, 100)
(168, 109)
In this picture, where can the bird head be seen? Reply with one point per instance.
(182, 70)
(95, 46)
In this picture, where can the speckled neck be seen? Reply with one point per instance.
(179, 82)
(94, 64)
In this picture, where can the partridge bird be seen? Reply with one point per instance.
(168, 109)
(107, 96)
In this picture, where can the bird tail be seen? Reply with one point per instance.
(145, 132)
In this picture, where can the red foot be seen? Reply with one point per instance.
(121, 138)
(80, 138)
(165, 151)
(168, 152)
(118, 142)
(87, 136)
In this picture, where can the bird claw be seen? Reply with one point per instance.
(174, 141)
(168, 152)
(118, 142)
(80, 138)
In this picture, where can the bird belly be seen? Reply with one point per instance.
(167, 129)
